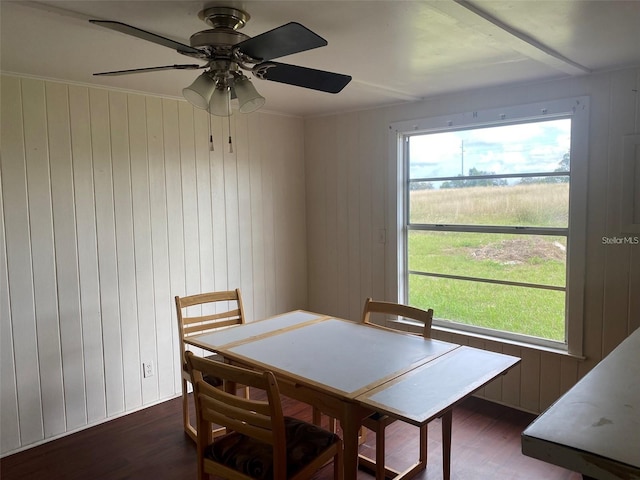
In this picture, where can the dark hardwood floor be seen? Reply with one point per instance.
(151, 444)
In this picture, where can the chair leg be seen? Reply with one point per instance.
(316, 417)
(188, 428)
(447, 420)
(317, 420)
(380, 449)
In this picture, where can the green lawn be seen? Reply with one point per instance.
(526, 259)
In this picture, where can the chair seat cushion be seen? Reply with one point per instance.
(305, 442)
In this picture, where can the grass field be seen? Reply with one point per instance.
(528, 259)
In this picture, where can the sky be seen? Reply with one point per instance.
(521, 148)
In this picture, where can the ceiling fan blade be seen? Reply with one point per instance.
(281, 41)
(302, 76)
(150, 37)
(149, 69)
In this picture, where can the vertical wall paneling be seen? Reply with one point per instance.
(511, 391)
(66, 254)
(493, 391)
(218, 211)
(634, 288)
(190, 228)
(349, 154)
(173, 183)
(167, 366)
(18, 248)
(141, 208)
(87, 245)
(291, 255)
(230, 166)
(125, 256)
(107, 250)
(374, 136)
(478, 343)
(530, 380)
(8, 393)
(112, 204)
(316, 187)
(365, 161)
(42, 252)
(268, 186)
(244, 213)
(280, 259)
(550, 379)
(596, 211)
(333, 225)
(568, 373)
(617, 257)
(203, 192)
(341, 234)
(257, 217)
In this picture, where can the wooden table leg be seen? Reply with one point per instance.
(447, 420)
(350, 427)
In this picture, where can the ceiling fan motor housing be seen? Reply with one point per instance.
(226, 21)
(217, 36)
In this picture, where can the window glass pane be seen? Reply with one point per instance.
(535, 259)
(528, 311)
(526, 204)
(507, 149)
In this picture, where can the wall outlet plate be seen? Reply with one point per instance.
(147, 369)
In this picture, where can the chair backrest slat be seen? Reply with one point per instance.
(232, 315)
(198, 328)
(195, 324)
(398, 310)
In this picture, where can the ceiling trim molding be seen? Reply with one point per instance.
(476, 18)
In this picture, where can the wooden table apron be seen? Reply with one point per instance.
(347, 369)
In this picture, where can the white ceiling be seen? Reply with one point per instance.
(396, 50)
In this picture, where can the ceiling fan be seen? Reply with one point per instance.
(228, 53)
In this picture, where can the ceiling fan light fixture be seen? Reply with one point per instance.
(220, 102)
(248, 97)
(200, 91)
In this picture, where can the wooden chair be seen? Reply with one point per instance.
(232, 314)
(262, 443)
(379, 421)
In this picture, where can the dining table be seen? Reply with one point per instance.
(349, 370)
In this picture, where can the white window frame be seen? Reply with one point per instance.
(577, 108)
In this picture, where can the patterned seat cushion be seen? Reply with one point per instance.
(305, 441)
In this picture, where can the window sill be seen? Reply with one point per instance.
(556, 350)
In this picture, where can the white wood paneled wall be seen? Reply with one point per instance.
(351, 184)
(112, 203)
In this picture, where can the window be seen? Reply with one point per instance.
(490, 238)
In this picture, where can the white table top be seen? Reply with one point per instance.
(595, 427)
(405, 375)
(341, 356)
(253, 330)
(427, 391)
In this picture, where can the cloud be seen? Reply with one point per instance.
(520, 148)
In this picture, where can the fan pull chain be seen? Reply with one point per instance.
(211, 149)
(229, 123)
